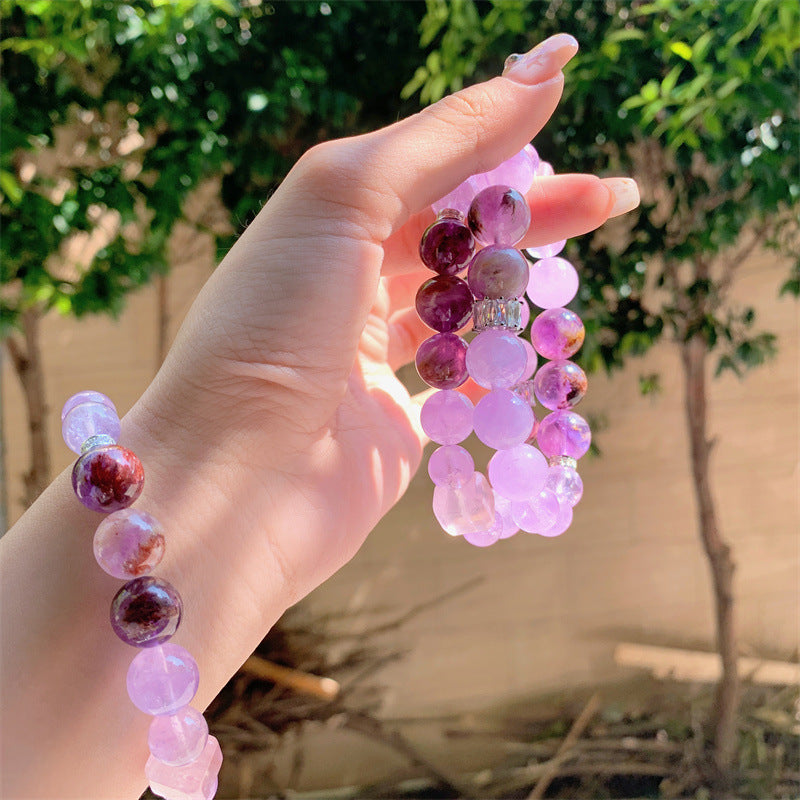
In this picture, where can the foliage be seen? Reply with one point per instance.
(154, 95)
(698, 99)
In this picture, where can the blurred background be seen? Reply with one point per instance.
(652, 650)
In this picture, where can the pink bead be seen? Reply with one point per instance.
(499, 215)
(537, 515)
(517, 171)
(560, 384)
(532, 362)
(565, 482)
(446, 417)
(563, 433)
(196, 780)
(466, 509)
(503, 507)
(496, 359)
(557, 333)
(562, 521)
(502, 419)
(544, 169)
(450, 465)
(97, 398)
(162, 679)
(553, 282)
(82, 421)
(547, 250)
(486, 538)
(176, 739)
(129, 543)
(458, 200)
(518, 473)
(524, 313)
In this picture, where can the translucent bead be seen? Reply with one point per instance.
(559, 384)
(162, 679)
(446, 417)
(562, 521)
(505, 314)
(537, 515)
(502, 506)
(468, 508)
(499, 215)
(565, 482)
(496, 359)
(563, 433)
(547, 250)
(441, 361)
(146, 611)
(502, 419)
(450, 465)
(196, 780)
(532, 360)
(557, 333)
(85, 420)
(458, 200)
(444, 303)
(108, 478)
(544, 169)
(524, 314)
(488, 537)
(553, 282)
(517, 172)
(176, 739)
(518, 473)
(498, 272)
(447, 245)
(97, 398)
(129, 543)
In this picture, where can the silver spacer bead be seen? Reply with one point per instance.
(100, 440)
(497, 314)
(524, 389)
(562, 461)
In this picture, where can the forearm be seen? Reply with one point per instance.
(70, 728)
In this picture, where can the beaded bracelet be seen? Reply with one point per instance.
(163, 677)
(529, 488)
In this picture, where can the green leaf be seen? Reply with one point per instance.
(682, 50)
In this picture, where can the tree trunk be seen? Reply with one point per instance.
(28, 365)
(694, 354)
(162, 344)
(3, 482)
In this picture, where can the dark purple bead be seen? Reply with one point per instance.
(146, 611)
(498, 272)
(108, 478)
(442, 361)
(447, 246)
(444, 303)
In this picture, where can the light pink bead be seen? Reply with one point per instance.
(486, 538)
(84, 420)
(468, 508)
(450, 465)
(502, 419)
(518, 473)
(524, 313)
(562, 521)
(162, 679)
(446, 417)
(496, 359)
(502, 506)
(553, 282)
(176, 739)
(547, 250)
(129, 543)
(196, 780)
(532, 362)
(537, 515)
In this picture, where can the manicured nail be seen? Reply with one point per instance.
(543, 62)
(625, 193)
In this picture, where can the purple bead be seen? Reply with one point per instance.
(547, 251)
(442, 361)
(499, 215)
(444, 303)
(82, 421)
(517, 172)
(502, 419)
(146, 612)
(524, 314)
(129, 543)
(446, 417)
(488, 537)
(537, 515)
(518, 473)
(544, 169)
(557, 333)
(458, 200)
(176, 739)
(80, 398)
(196, 780)
(108, 478)
(532, 360)
(450, 465)
(563, 433)
(468, 508)
(447, 246)
(565, 482)
(498, 272)
(562, 521)
(560, 384)
(502, 506)
(496, 359)
(162, 679)
(553, 282)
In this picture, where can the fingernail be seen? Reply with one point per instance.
(625, 193)
(543, 62)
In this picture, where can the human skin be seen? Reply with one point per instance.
(276, 434)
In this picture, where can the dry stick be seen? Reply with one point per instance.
(575, 732)
(304, 682)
